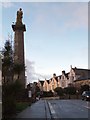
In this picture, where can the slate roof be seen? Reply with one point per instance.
(84, 73)
(66, 75)
(60, 76)
(47, 81)
(42, 82)
(56, 78)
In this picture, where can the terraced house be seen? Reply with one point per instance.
(76, 77)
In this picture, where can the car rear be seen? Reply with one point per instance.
(86, 95)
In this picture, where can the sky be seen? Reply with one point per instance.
(56, 35)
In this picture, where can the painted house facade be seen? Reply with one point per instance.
(40, 84)
(53, 82)
(46, 85)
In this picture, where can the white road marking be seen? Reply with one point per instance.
(87, 107)
(52, 110)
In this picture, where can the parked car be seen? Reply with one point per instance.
(86, 95)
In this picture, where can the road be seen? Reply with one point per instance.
(57, 109)
(69, 108)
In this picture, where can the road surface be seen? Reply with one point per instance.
(69, 108)
(53, 109)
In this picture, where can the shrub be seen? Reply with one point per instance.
(10, 93)
(59, 91)
(70, 90)
(47, 94)
(84, 88)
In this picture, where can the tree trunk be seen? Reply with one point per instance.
(18, 76)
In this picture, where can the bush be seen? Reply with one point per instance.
(8, 104)
(47, 94)
(84, 88)
(70, 90)
(59, 91)
(8, 107)
(21, 106)
(10, 93)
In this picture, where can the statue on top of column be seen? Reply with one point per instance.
(19, 16)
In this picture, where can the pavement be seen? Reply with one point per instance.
(36, 110)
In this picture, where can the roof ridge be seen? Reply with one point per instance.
(80, 68)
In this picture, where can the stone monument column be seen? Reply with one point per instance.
(19, 29)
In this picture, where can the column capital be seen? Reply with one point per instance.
(19, 27)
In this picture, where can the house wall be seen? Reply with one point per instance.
(59, 82)
(81, 82)
(53, 84)
(45, 86)
(71, 76)
(40, 86)
(64, 81)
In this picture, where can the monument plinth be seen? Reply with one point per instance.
(19, 29)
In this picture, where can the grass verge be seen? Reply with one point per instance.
(21, 106)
